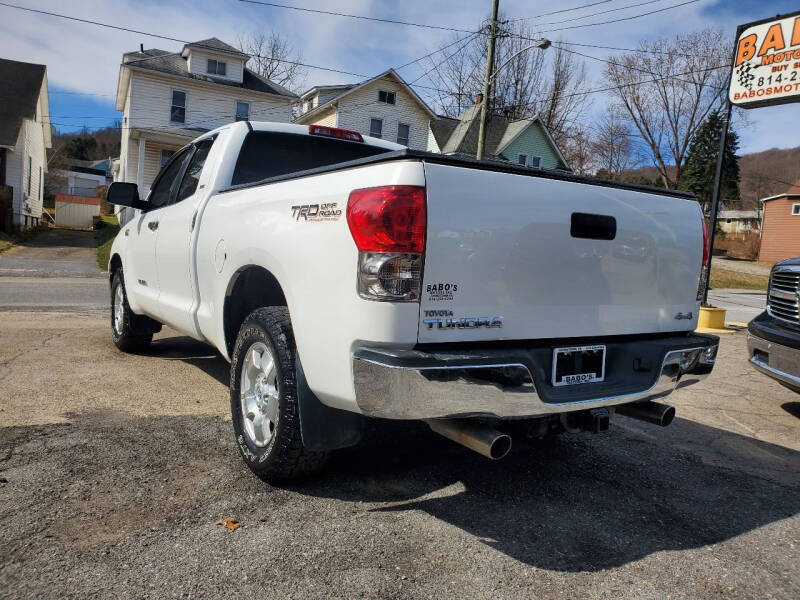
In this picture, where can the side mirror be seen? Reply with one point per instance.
(123, 193)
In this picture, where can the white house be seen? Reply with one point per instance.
(24, 139)
(169, 98)
(384, 107)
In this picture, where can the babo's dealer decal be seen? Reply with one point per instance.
(766, 65)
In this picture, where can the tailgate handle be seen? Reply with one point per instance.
(593, 227)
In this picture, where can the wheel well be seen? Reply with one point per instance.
(116, 263)
(251, 288)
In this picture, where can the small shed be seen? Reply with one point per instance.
(76, 211)
(780, 226)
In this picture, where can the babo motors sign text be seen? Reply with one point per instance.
(766, 67)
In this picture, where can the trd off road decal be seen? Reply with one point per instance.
(316, 212)
(439, 292)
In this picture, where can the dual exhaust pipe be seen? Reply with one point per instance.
(493, 444)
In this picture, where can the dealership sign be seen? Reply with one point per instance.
(766, 66)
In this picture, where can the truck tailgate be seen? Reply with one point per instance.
(513, 256)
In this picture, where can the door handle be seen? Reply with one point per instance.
(153, 225)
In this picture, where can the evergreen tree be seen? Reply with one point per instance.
(701, 163)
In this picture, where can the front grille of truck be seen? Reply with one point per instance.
(784, 299)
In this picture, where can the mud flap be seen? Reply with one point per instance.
(322, 427)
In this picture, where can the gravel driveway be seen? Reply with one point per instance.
(115, 468)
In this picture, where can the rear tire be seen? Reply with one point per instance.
(128, 330)
(264, 404)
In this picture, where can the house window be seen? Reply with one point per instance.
(796, 209)
(216, 67)
(177, 113)
(387, 97)
(242, 111)
(403, 133)
(28, 182)
(376, 127)
(165, 156)
(536, 161)
(523, 159)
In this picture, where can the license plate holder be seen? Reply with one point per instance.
(575, 365)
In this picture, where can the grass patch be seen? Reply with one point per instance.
(105, 237)
(725, 278)
(7, 242)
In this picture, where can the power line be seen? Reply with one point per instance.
(352, 16)
(563, 10)
(602, 12)
(618, 20)
(611, 62)
(173, 39)
(648, 51)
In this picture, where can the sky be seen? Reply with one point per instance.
(83, 59)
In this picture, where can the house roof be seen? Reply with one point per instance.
(391, 73)
(442, 128)
(500, 132)
(174, 64)
(738, 214)
(214, 45)
(792, 191)
(323, 88)
(22, 83)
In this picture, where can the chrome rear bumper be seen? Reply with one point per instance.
(775, 360)
(412, 384)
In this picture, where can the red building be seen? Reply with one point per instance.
(780, 227)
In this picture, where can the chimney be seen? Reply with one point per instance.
(141, 48)
(479, 99)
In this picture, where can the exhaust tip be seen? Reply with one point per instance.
(500, 447)
(667, 416)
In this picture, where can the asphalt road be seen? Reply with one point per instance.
(740, 305)
(114, 469)
(54, 270)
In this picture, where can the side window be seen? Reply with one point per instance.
(536, 162)
(522, 159)
(165, 184)
(403, 133)
(192, 176)
(376, 127)
(242, 110)
(177, 112)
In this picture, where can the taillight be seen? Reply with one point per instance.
(334, 132)
(388, 226)
(701, 286)
(705, 244)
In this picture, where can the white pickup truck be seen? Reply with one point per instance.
(347, 277)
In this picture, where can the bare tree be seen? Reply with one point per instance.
(536, 82)
(612, 147)
(578, 150)
(668, 90)
(273, 56)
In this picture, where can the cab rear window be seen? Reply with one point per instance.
(266, 154)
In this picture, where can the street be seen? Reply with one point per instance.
(114, 469)
(54, 270)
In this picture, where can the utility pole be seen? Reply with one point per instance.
(487, 80)
(712, 225)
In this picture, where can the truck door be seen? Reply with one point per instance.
(174, 245)
(141, 273)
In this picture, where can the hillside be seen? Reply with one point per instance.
(763, 174)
